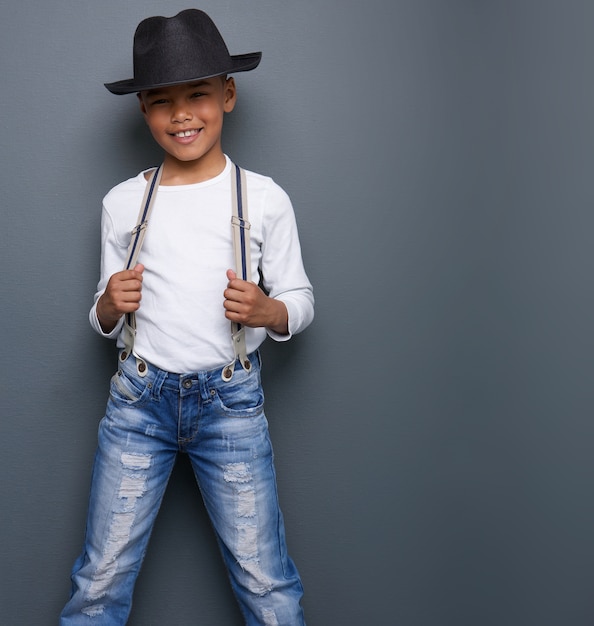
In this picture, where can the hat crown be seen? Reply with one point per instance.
(174, 49)
(180, 49)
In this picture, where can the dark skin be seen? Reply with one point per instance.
(197, 109)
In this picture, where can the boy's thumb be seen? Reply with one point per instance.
(139, 267)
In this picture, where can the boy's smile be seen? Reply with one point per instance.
(186, 137)
(186, 133)
(187, 121)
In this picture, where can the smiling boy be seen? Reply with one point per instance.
(178, 298)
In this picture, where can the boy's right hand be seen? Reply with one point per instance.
(121, 296)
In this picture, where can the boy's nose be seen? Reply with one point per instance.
(181, 114)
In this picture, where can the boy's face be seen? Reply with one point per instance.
(187, 120)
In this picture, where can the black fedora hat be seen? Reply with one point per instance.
(180, 49)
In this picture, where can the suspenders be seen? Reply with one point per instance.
(243, 265)
(138, 233)
(240, 228)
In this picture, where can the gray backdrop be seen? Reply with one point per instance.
(433, 428)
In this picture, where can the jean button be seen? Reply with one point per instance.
(187, 383)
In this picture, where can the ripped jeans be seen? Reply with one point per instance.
(222, 427)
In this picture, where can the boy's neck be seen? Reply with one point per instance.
(177, 172)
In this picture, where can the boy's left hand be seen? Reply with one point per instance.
(245, 303)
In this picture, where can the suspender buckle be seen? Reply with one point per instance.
(139, 227)
(240, 221)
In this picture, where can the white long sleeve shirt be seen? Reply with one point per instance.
(181, 323)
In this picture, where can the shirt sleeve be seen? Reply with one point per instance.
(283, 272)
(113, 257)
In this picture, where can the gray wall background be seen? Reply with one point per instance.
(433, 428)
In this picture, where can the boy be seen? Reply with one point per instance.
(184, 383)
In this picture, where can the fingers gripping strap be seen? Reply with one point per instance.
(136, 240)
(243, 268)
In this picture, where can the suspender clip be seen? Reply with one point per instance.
(139, 227)
(240, 221)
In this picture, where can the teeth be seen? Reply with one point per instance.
(187, 133)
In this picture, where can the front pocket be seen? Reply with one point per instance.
(242, 396)
(124, 389)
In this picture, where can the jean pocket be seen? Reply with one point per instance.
(242, 396)
(126, 389)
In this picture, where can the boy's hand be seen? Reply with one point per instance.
(122, 295)
(246, 304)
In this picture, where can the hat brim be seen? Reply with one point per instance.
(239, 63)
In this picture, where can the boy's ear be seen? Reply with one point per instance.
(230, 94)
(141, 102)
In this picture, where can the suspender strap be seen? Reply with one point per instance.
(146, 207)
(240, 227)
(129, 330)
(241, 246)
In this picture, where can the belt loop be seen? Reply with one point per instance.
(157, 383)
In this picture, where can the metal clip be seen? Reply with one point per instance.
(140, 227)
(240, 221)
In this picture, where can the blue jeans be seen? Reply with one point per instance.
(222, 427)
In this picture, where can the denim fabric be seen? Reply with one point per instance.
(222, 427)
